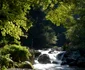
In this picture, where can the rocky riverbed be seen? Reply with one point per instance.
(52, 59)
(59, 60)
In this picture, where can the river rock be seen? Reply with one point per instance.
(81, 62)
(44, 59)
(71, 58)
(64, 62)
(55, 62)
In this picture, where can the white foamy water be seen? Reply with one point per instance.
(53, 58)
(53, 55)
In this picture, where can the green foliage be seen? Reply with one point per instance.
(62, 14)
(12, 18)
(26, 64)
(14, 22)
(43, 4)
(49, 36)
(13, 55)
(43, 36)
(76, 33)
(4, 40)
(17, 52)
(3, 68)
(5, 61)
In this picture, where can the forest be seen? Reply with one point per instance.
(26, 25)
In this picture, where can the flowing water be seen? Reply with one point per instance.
(54, 57)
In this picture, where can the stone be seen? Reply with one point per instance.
(64, 62)
(81, 62)
(55, 62)
(44, 59)
(71, 58)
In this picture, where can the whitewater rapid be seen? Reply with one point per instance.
(53, 55)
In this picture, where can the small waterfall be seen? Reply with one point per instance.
(52, 57)
(54, 64)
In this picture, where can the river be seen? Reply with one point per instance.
(54, 57)
(54, 64)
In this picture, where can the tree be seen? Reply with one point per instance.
(62, 14)
(40, 37)
(12, 18)
(42, 33)
(49, 35)
(75, 32)
(13, 21)
(39, 18)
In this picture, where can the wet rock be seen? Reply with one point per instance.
(64, 62)
(81, 62)
(55, 62)
(71, 58)
(51, 51)
(71, 61)
(44, 58)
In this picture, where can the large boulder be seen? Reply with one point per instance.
(71, 58)
(44, 58)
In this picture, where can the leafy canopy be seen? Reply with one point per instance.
(12, 17)
(13, 21)
(62, 14)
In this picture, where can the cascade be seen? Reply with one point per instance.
(49, 60)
